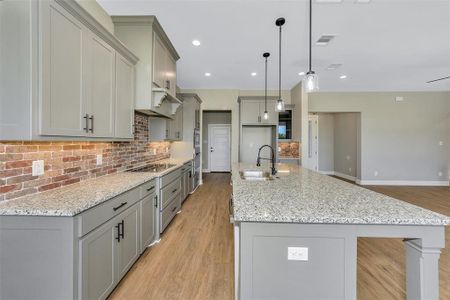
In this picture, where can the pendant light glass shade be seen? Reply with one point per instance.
(311, 82)
(280, 105)
(266, 115)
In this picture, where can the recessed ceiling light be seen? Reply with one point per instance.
(301, 73)
(207, 74)
(343, 76)
(362, 1)
(196, 43)
(333, 67)
(253, 74)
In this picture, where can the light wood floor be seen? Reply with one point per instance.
(195, 257)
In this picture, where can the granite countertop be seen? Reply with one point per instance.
(304, 196)
(76, 198)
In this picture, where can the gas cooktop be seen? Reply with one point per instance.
(154, 168)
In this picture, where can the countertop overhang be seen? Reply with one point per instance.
(300, 195)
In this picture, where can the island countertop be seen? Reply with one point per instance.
(300, 195)
(76, 198)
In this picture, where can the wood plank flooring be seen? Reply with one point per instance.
(195, 257)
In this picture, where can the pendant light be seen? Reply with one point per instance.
(311, 79)
(280, 103)
(266, 114)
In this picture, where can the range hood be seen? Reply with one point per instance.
(163, 105)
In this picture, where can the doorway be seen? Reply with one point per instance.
(217, 139)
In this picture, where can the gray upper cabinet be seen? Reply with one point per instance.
(66, 78)
(124, 121)
(101, 99)
(65, 50)
(156, 77)
(252, 111)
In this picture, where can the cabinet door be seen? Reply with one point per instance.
(102, 77)
(128, 247)
(124, 122)
(148, 207)
(271, 109)
(171, 75)
(97, 257)
(183, 186)
(250, 111)
(159, 61)
(64, 53)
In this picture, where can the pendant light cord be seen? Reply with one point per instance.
(310, 35)
(265, 89)
(279, 68)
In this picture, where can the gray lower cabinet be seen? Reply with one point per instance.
(186, 180)
(80, 257)
(170, 194)
(148, 209)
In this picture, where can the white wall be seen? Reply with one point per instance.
(92, 7)
(401, 141)
(326, 142)
(345, 143)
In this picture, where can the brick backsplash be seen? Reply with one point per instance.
(289, 149)
(70, 162)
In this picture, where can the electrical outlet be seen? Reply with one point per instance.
(348, 157)
(440, 174)
(375, 173)
(441, 143)
(350, 170)
(298, 253)
(153, 151)
(399, 98)
(99, 159)
(37, 168)
(167, 149)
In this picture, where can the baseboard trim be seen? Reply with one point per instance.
(404, 182)
(341, 175)
(206, 171)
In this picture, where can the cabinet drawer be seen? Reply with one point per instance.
(187, 166)
(170, 192)
(101, 213)
(148, 188)
(168, 178)
(170, 211)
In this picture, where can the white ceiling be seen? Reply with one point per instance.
(384, 45)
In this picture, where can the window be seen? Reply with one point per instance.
(285, 125)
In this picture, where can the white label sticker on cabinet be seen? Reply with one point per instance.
(298, 253)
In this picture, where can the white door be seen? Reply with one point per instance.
(219, 141)
(313, 149)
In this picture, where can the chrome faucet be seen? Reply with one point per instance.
(258, 160)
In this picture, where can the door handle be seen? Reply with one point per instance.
(86, 123)
(92, 123)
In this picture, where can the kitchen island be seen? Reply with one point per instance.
(296, 236)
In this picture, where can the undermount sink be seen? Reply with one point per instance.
(256, 175)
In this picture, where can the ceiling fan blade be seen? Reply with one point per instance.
(443, 78)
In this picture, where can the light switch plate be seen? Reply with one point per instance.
(298, 253)
(99, 159)
(37, 168)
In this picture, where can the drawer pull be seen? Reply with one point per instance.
(118, 207)
(150, 188)
(174, 209)
(174, 191)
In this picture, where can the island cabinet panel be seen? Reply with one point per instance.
(65, 50)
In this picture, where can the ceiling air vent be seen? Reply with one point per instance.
(324, 40)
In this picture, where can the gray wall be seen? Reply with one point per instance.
(345, 143)
(406, 140)
(211, 117)
(326, 142)
(338, 143)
